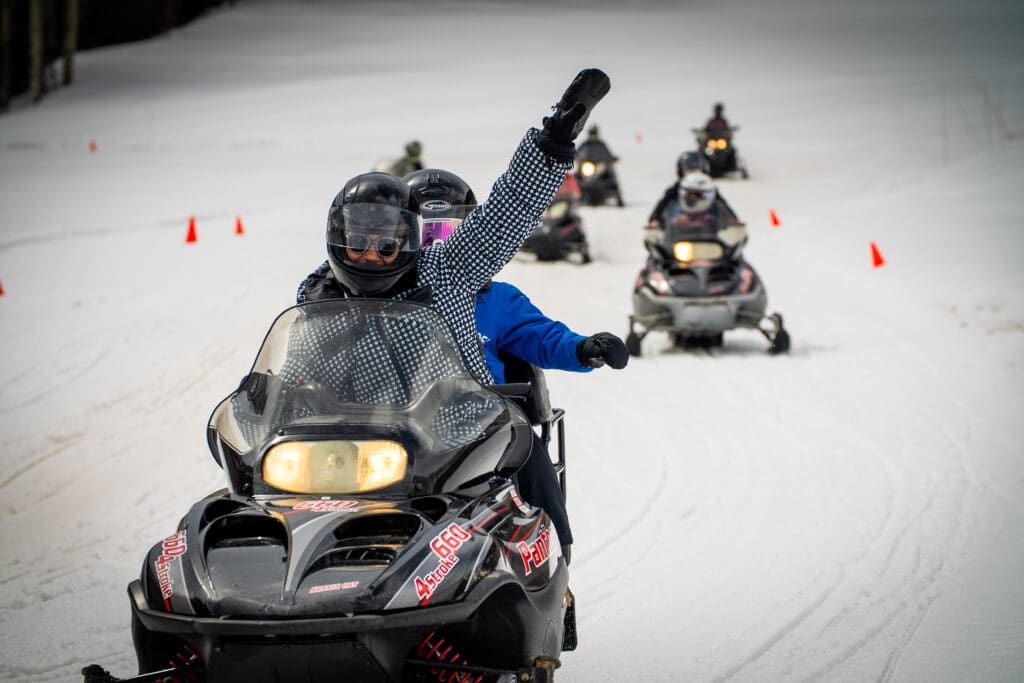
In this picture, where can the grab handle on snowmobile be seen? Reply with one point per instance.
(514, 390)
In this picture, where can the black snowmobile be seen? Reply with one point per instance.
(560, 232)
(718, 149)
(595, 173)
(696, 285)
(370, 529)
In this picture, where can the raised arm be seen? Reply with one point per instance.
(492, 234)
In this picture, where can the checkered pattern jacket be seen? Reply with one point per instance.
(456, 269)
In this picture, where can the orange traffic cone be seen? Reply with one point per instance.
(876, 256)
(775, 218)
(191, 236)
(239, 230)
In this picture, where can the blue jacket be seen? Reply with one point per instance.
(506, 319)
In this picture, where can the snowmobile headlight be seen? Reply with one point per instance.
(587, 168)
(697, 251)
(334, 466)
(719, 143)
(683, 251)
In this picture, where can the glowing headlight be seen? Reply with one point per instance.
(697, 251)
(587, 168)
(721, 143)
(683, 251)
(334, 466)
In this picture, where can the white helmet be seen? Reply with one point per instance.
(697, 192)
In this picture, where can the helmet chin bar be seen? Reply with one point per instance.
(369, 280)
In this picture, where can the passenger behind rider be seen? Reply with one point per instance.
(508, 322)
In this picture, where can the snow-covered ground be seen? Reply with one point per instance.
(853, 511)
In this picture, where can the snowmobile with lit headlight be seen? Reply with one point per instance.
(370, 529)
(560, 235)
(696, 285)
(720, 152)
(594, 169)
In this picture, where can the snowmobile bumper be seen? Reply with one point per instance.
(366, 647)
(698, 315)
(181, 624)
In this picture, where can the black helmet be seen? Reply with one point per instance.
(594, 131)
(719, 108)
(690, 162)
(444, 199)
(413, 148)
(373, 209)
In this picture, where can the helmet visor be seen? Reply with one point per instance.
(693, 197)
(438, 229)
(442, 209)
(388, 229)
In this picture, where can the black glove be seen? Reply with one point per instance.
(601, 348)
(570, 114)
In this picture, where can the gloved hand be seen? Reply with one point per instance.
(601, 348)
(570, 114)
(653, 236)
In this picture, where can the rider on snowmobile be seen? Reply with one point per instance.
(410, 161)
(594, 147)
(374, 249)
(508, 322)
(696, 194)
(717, 125)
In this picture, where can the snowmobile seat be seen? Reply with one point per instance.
(537, 403)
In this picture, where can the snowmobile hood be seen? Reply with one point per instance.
(289, 557)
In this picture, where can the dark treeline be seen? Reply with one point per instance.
(39, 38)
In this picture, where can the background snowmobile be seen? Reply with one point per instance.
(370, 530)
(560, 232)
(696, 285)
(723, 159)
(595, 172)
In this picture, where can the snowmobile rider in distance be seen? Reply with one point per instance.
(374, 236)
(696, 197)
(717, 125)
(410, 161)
(594, 147)
(508, 322)
(691, 166)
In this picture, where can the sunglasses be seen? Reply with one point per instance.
(386, 247)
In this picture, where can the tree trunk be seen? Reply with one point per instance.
(70, 39)
(170, 18)
(5, 54)
(36, 47)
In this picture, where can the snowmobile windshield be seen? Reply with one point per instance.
(680, 225)
(361, 370)
(593, 151)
